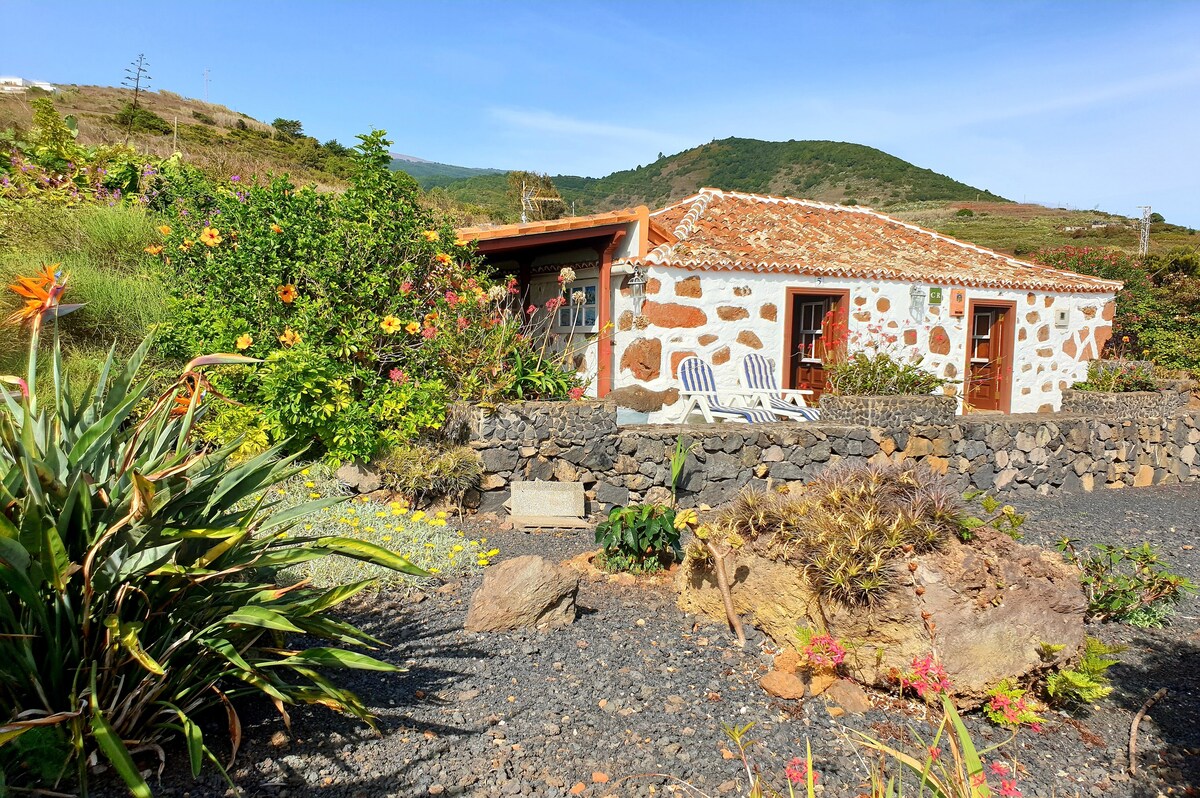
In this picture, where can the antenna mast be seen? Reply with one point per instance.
(1144, 236)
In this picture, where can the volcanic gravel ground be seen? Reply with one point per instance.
(636, 687)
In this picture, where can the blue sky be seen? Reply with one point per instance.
(1086, 104)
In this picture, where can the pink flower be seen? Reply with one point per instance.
(513, 287)
(824, 652)
(1035, 727)
(396, 375)
(406, 287)
(452, 298)
(1008, 788)
(556, 303)
(797, 772)
(531, 309)
(934, 753)
(575, 393)
(998, 768)
(429, 332)
(463, 323)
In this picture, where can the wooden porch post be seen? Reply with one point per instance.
(604, 353)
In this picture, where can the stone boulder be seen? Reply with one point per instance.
(359, 478)
(523, 593)
(989, 604)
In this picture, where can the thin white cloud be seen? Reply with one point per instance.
(548, 122)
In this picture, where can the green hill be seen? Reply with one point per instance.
(430, 174)
(831, 171)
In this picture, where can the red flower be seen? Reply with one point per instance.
(999, 768)
(463, 323)
(452, 298)
(531, 309)
(575, 393)
(934, 753)
(406, 287)
(797, 772)
(1008, 788)
(429, 332)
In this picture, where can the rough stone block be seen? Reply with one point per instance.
(555, 499)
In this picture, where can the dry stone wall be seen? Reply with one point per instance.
(1008, 454)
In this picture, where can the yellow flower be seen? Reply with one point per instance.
(245, 341)
(441, 514)
(412, 328)
(457, 547)
(402, 511)
(290, 337)
(186, 245)
(390, 325)
(210, 236)
(435, 570)
(386, 538)
(380, 514)
(492, 553)
(431, 235)
(286, 293)
(310, 484)
(458, 242)
(304, 472)
(444, 259)
(314, 495)
(154, 249)
(164, 229)
(418, 515)
(429, 545)
(482, 563)
(276, 228)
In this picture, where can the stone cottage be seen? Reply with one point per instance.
(722, 274)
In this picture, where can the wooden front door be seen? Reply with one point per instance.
(809, 319)
(989, 357)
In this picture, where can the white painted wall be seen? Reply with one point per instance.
(1041, 368)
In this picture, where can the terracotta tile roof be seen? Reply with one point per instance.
(728, 230)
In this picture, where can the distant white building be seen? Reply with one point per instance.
(15, 85)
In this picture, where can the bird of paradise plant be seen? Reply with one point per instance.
(133, 571)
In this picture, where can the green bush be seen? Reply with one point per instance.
(422, 472)
(1116, 377)
(132, 570)
(877, 373)
(368, 311)
(964, 213)
(1128, 584)
(637, 538)
(140, 120)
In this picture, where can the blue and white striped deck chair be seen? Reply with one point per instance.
(758, 379)
(700, 393)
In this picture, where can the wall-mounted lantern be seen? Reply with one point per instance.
(637, 289)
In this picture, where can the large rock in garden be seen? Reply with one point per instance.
(360, 478)
(990, 604)
(524, 592)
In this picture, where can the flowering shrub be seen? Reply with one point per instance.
(1008, 705)
(370, 314)
(1116, 377)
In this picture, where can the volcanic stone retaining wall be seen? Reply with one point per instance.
(1012, 454)
(887, 411)
(1173, 396)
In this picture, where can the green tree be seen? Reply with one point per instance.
(536, 194)
(287, 128)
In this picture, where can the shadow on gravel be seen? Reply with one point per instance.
(1167, 747)
(332, 755)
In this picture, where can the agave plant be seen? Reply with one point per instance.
(135, 570)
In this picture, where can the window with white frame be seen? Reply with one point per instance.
(579, 312)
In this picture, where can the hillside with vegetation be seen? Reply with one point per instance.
(215, 139)
(429, 174)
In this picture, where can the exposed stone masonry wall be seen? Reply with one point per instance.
(1174, 396)
(1014, 454)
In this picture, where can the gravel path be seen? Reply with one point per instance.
(637, 687)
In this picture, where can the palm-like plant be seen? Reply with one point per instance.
(135, 568)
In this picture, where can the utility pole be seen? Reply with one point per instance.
(1144, 234)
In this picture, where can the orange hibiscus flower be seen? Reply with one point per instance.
(154, 249)
(290, 337)
(164, 229)
(390, 325)
(276, 228)
(444, 259)
(431, 235)
(210, 236)
(287, 293)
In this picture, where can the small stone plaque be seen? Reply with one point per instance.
(547, 499)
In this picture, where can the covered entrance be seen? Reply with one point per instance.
(991, 331)
(815, 322)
